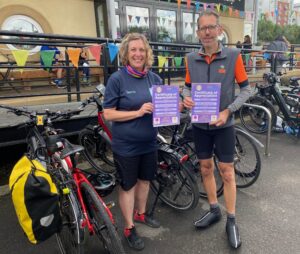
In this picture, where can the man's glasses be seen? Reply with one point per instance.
(210, 28)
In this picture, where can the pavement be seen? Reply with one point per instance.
(267, 215)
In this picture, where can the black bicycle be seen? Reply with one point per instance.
(256, 120)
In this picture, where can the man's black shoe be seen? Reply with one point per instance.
(134, 241)
(233, 234)
(211, 217)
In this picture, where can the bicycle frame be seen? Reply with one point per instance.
(79, 178)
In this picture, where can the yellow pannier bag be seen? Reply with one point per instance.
(35, 199)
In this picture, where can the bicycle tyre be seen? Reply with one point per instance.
(247, 161)
(189, 147)
(180, 190)
(103, 226)
(255, 120)
(70, 239)
(101, 161)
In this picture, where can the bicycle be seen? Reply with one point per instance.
(255, 120)
(82, 209)
(247, 161)
(97, 142)
(96, 138)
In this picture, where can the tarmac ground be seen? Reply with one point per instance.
(267, 215)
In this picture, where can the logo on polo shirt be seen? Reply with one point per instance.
(130, 92)
(222, 69)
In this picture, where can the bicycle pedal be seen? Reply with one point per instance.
(110, 204)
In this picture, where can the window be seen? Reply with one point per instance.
(22, 23)
(189, 27)
(138, 20)
(166, 26)
(118, 26)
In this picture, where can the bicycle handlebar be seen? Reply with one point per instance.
(33, 115)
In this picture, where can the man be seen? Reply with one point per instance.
(57, 56)
(217, 64)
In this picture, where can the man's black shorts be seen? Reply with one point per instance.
(218, 141)
(131, 169)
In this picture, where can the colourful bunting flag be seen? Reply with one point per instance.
(73, 54)
(130, 18)
(204, 6)
(188, 2)
(20, 56)
(178, 3)
(138, 19)
(218, 7)
(178, 61)
(96, 52)
(197, 5)
(47, 57)
(230, 11)
(212, 6)
(113, 51)
(161, 62)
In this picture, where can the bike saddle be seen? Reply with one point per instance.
(52, 143)
(70, 149)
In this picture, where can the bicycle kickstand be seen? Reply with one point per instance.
(151, 212)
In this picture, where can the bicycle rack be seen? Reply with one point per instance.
(267, 153)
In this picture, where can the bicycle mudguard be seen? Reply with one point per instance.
(241, 129)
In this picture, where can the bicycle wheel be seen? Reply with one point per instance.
(189, 147)
(179, 189)
(247, 162)
(102, 224)
(70, 239)
(255, 119)
(97, 151)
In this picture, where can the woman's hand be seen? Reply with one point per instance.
(146, 108)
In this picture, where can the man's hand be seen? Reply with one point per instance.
(223, 116)
(188, 103)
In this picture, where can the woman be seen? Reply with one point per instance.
(128, 104)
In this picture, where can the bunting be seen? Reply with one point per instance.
(47, 57)
(73, 54)
(161, 62)
(188, 2)
(218, 7)
(20, 56)
(178, 3)
(197, 5)
(96, 52)
(113, 51)
(178, 61)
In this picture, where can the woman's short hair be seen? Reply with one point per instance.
(123, 52)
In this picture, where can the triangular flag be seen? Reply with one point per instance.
(247, 58)
(236, 12)
(96, 52)
(242, 14)
(224, 8)
(47, 57)
(130, 17)
(138, 19)
(230, 11)
(197, 5)
(178, 61)
(188, 2)
(146, 20)
(178, 3)
(161, 62)
(74, 56)
(218, 7)
(113, 51)
(204, 6)
(20, 56)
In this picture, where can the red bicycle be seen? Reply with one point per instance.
(96, 138)
(82, 208)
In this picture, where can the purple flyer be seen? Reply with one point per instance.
(166, 105)
(207, 101)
